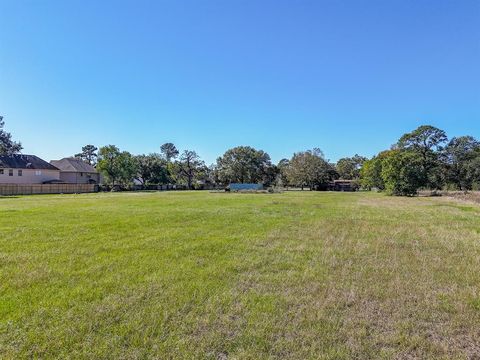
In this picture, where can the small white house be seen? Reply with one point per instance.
(26, 169)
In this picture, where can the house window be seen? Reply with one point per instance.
(1, 171)
(38, 172)
(10, 172)
(20, 173)
(81, 174)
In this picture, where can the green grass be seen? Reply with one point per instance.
(202, 275)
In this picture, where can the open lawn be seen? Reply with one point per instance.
(209, 275)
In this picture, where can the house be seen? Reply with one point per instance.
(343, 185)
(26, 169)
(76, 171)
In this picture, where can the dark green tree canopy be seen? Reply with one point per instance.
(425, 159)
(151, 169)
(309, 168)
(426, 142)
(7, 145)
(244, 164)
(402, 173)
(423, 139)
(461, 157)
(118, 167)
(371, 171)
(461, 148)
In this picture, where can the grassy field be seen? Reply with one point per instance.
(202, 275)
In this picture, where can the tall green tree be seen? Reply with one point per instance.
(460, 158)
(371, 172)
(309, 169)
(88, 154)
(402, 172)
(189, 167)
(128, 167)
(424, 139)
(118, 167)
(108, 163)
(244, 164)
(7, 145)
(151, 169)
(426, 142)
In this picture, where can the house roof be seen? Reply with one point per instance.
(73, 165)
(21, 161)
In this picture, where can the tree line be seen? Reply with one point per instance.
(422, 159)
(241, 164)
(425, 159)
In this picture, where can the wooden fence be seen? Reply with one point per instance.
(30, 189)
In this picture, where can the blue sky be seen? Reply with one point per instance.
(282, 76)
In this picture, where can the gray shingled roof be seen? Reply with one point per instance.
(73, 165)
(21, 161)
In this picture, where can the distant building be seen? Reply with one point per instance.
(76, 171)
(244, 187)
(343, 185)
(26, 169)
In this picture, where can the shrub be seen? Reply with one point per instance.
(402, 173)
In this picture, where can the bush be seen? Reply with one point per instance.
(402, 173)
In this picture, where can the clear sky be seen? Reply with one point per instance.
(279, 75)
